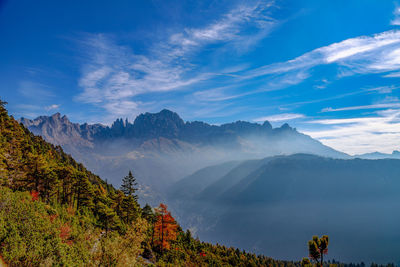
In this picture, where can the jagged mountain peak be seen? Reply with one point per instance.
(267, 124)
(162, 124)
(286, 126)
(56, 115)
(163, 115)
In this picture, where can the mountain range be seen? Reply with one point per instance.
(163, 125)
(161, 148)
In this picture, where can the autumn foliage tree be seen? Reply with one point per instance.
(165, 228)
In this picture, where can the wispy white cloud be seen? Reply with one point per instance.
(378, 53)
(113, 75)
(227, 29)
(361, 134)
(322, 84)
(383, 89)
(229, 92)
(396, 14)
(114, 72)
(280, 117)
(52, 107)
(374, 106)
(392, 75)
(385, 103)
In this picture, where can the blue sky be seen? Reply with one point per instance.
(329, 68)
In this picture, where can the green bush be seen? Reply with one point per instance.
(33, 233)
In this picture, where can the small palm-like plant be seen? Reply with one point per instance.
(318, 247)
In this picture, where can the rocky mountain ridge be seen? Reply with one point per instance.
(167, 124)
(161, 148)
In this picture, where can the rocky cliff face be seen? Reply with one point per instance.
(165, 124)
(59, 130)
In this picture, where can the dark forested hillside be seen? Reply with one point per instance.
(54, 212)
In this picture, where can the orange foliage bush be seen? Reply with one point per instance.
(65, 234)
(35, 195)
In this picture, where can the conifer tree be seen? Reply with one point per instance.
(130, 209)
(129, 185)
(108, 217)
(147, 213)
(84, 192)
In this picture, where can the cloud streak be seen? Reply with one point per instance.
(52, 107)
(113, 75)
(280, 117)
(379, 53)
(365, 54)
(396, 14)
(361, 134)
(374, 106)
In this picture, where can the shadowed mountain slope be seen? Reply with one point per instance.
(290, 197)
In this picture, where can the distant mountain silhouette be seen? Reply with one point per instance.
(274, 203)
(378, 155)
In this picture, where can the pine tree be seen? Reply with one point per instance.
(83, 191)
(147, 213)
(130, 209)
(108, 218)
(129, 185)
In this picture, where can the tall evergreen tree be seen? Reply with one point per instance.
(83, 191)
(147, 213)
(129, 185)
(130, 209)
